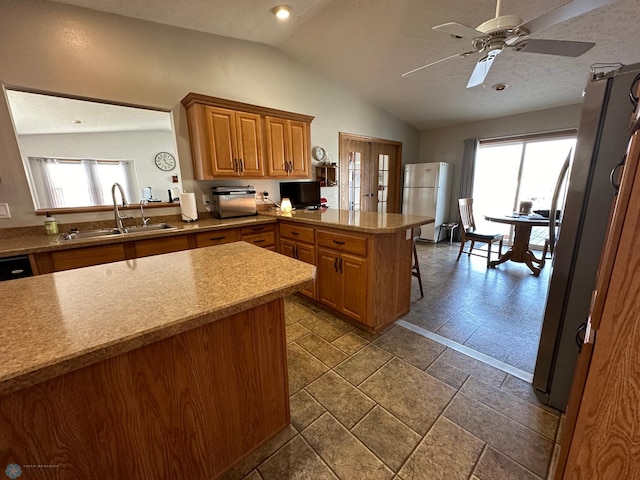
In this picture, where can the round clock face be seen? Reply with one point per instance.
(165, 161)
(319, 153)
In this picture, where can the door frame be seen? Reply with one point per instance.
(395, 173)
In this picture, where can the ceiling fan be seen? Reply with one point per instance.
(507, 31)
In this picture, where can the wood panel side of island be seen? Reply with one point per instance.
(189, 406)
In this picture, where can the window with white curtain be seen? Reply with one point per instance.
(68, 183)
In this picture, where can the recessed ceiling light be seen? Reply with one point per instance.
(77, 121)
(281, 11)
(498, 87)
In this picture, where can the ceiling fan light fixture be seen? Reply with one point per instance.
(499, 87)
(282, 12)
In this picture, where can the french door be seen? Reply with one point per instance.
(510, 171)
(369, 174)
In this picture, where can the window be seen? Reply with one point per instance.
(513, 170)
(68, 183)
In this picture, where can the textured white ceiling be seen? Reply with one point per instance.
(367, 44)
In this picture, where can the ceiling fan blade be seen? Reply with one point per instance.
(458, 30)
(563, 13)
(554, 47)
(480, 71)
(461, 55)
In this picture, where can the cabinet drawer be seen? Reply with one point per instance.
(156, 246)
(217, 237)
(255, 229)
(296, 232)
(87, 256)
(343, 242)
(266, 239)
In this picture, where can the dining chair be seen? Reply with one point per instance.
(468, 232)
(415, 268)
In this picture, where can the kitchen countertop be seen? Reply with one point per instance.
(366, 222)
(56, 323)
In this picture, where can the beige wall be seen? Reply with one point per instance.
(60, 48)
(447, 144)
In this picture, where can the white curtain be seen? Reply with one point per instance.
(53, 195)
(92, 175)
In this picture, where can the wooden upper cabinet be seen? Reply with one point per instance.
(235, 143)
(288, 148)
(234, 139)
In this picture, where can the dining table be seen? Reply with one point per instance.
(519, 251)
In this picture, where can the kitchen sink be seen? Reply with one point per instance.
(152, 227)
(109, 232)
(77, 235)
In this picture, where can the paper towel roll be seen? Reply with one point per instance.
(188, 207)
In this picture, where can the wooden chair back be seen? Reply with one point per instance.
(466, 214)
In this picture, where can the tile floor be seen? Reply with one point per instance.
(397, 405)
(497, 312)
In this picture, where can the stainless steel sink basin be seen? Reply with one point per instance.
(109, 232)
(152, 227)
(105, 232)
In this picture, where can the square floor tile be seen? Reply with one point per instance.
(322, 350)
(323, 328)
(295, 331)
(410, 346)
(523, 445)
(304, 368)
(360, 366)
(350, 343)
(295, 461)
(410, 394)
(386, 436)
(474, 367)
(304, 410)
(344, 401)
(448, 374)
(447, 452)
(494, 465)
(294, 312)
(513, 407)
(343, 452)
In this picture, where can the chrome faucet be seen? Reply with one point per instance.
(143, 202)
(116, 213)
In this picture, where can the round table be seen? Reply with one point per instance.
(519, 251)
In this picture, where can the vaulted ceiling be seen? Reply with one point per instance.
(367, 44)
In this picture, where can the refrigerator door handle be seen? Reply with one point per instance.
(612, 175)
(580, 333)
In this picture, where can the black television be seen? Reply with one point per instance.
(301, 194)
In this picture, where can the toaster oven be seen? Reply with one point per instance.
(227, 202)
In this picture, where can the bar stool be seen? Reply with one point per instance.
(415, 268)
(450, 228)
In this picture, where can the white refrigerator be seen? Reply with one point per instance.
(427, 188)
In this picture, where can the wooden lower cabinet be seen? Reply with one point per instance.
(342, 283)
(260, 235)
(56, 261)
(217, 237)
(303, 252)
(157, 246)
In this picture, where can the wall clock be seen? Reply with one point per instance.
(319, 153)
(165, 161)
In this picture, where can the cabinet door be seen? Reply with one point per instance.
(328, 279)
(299, 153)
(157, 246)
(249, 143)
(277, 146)
(353, 284)
(288, 248)
(307, 253)
(221, 132)
(87, 256)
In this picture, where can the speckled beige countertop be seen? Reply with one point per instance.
(56, 323)
(367, 222)
(23, 245)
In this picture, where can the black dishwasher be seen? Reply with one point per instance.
(15, 267)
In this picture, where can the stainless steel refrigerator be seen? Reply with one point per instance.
(603, 136)
(427, 188)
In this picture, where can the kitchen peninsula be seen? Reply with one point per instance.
(169, 366)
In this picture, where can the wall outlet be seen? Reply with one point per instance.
(4, 210)
(205, 199)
